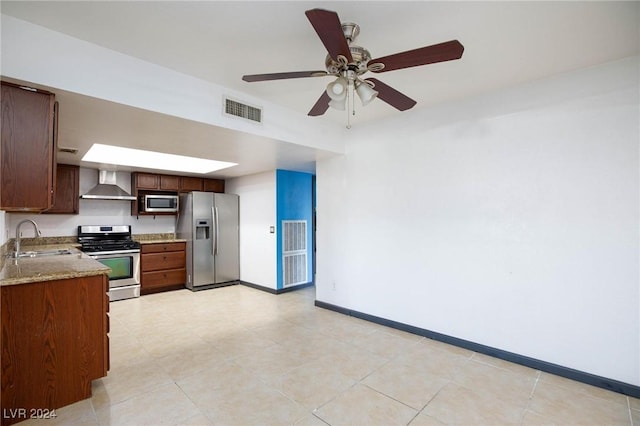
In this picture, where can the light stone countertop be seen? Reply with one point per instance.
(35, 269)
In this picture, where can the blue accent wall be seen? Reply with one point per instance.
(294, 201)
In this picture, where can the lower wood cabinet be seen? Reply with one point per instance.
(162, 266)
(54, 343)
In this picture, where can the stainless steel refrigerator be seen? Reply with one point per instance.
(209, 222)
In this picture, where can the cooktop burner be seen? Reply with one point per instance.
(109, 245)
(106, 238)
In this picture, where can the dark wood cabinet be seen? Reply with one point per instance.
(162, 266)
(145, 181)
(169, 183)
(188, 184)
(29, 126)
(54, 343)
(155, 182)
(213, 185)
(151, 183)
(67, 190)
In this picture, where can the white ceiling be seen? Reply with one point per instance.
(506, 44)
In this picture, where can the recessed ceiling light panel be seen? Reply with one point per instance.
(109, 154)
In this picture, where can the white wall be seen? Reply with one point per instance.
(257, 214)
(510, 220)
(93, 212)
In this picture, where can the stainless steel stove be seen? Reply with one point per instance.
(113, 246)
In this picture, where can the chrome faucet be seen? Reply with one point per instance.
(35, 229)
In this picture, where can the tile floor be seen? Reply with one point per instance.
(239, 356)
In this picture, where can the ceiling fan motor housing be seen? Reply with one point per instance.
(360, 55)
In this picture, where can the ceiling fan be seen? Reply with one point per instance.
(348, 62)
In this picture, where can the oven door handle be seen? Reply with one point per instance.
(111, 252)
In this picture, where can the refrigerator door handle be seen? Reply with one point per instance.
(215, 209)
(214, 239)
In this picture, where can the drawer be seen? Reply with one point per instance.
(163, 278)
(162, 247)
(160, 261)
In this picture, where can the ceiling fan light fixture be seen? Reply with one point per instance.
(339, 105)
(337, 90)
(365, 92)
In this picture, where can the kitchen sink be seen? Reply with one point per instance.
(42, 253)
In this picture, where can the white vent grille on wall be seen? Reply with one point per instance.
(294, 252)
(238, 109)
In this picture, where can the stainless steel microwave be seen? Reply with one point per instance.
(159, 203)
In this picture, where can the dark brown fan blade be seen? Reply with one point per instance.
(446, 51)
(327, 25)
(283, 75)
(321, 106)
(392, 96)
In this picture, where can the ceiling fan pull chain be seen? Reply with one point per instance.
(350, 103)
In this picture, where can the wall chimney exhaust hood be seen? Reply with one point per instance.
(106, 189)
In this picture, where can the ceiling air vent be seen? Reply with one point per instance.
(238, 109)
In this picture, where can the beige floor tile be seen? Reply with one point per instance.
(236, 398)
(269, 363)
(315, 319)
(313, 346)
(81, 413)
(162, 343)
(405, 384)
(311, 384)
(240, 344)
(634, 403)
(166, 405)
(510, 387)
(635, 417)
(205, 385)
(532, 419)
(447, 348)
(347, 329)
(188, 361)
(353, 362)
(423, 419)
(310, 420)
(279, 331)
(458, 405)
(124, 355)
(129, 382)
(506, 365)
(582, 388)
(197, 420)
(562, 405)
(385, 344)
(431, 359)
(362, 405)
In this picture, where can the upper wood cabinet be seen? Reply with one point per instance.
(154, 182)
(67, 190)
(145, 181)
(29, 127)
(213, 185)
(188, 184)
(149, 183)
(169, 183)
